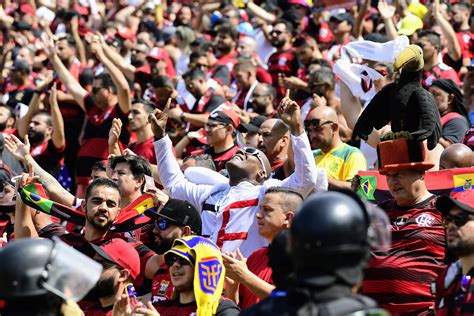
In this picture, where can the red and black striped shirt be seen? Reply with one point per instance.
(285, 63)
(400, 280)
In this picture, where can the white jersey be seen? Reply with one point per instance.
(228, 212)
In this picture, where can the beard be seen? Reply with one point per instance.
(105, 287)
(36, 137)
(137, 63)
(461, 248)
(99, 226)
(259, 108)
(277, 43)
(163, 246)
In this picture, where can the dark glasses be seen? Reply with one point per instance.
(254, 152)
(163, 224)
(316, 123)
(459, 220)
(171, 259)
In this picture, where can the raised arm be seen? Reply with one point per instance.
(127, 69)
(387, 11)
(81, 50)
(168, 169)
(123, 89)
(72, 85)
(454, 49)
(58, 137)
(306, 176)
(21, 151)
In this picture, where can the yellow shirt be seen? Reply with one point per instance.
(341, 163)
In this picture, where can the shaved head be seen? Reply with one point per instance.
(456, 156)
(273, 140)
(325, 113)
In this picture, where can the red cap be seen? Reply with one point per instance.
(82, 10)
(464, 200)
(158, 54)
(27, 9)
(226, 115)
(126, 33)
(121, 253)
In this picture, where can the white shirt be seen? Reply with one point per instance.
(228, 212)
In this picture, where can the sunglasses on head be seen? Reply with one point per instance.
(171, 259)
(255, 153)
(459, 219)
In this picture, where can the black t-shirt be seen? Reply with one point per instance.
(455, 129)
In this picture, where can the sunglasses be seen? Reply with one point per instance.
(171, 259)
(255, 153)
(316, 123)
(459, 220)
(163, 224)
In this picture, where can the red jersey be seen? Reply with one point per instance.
(439, 71)
(454, 292)
(48, 156)
(78, 242)
(145, 149)
(161, 287)
(285, 63)
(400, 280)
(228, 60)
(219, 159)
(95, 146)
(97, 310)
(257, 263)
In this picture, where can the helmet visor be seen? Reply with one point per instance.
(70, 274)
(379, 232)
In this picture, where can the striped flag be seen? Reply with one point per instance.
(373, 186)
(130, 218)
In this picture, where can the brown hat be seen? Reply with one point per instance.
(402, 154)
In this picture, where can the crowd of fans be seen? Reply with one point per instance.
(227, 121)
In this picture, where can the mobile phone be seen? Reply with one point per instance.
(149, 183)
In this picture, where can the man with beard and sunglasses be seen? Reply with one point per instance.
(341, 161)
(121, 266)
(453, 288)
(228, 210)
(177, 219)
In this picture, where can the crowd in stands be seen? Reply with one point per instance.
(174, 143)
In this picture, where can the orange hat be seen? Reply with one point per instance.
(402, 154)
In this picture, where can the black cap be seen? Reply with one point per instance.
(253, 126)
(5, 177)
(344, 16)
(181, 213)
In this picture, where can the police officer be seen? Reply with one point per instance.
(44, 277)
(330, 242)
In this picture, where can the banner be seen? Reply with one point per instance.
(373, 186)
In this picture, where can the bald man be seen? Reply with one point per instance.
(341, 161)
(274, 140)
(456, 156)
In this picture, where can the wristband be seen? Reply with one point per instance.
(182, 117)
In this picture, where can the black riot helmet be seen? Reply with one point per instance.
(331, 237)
(32, 268)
